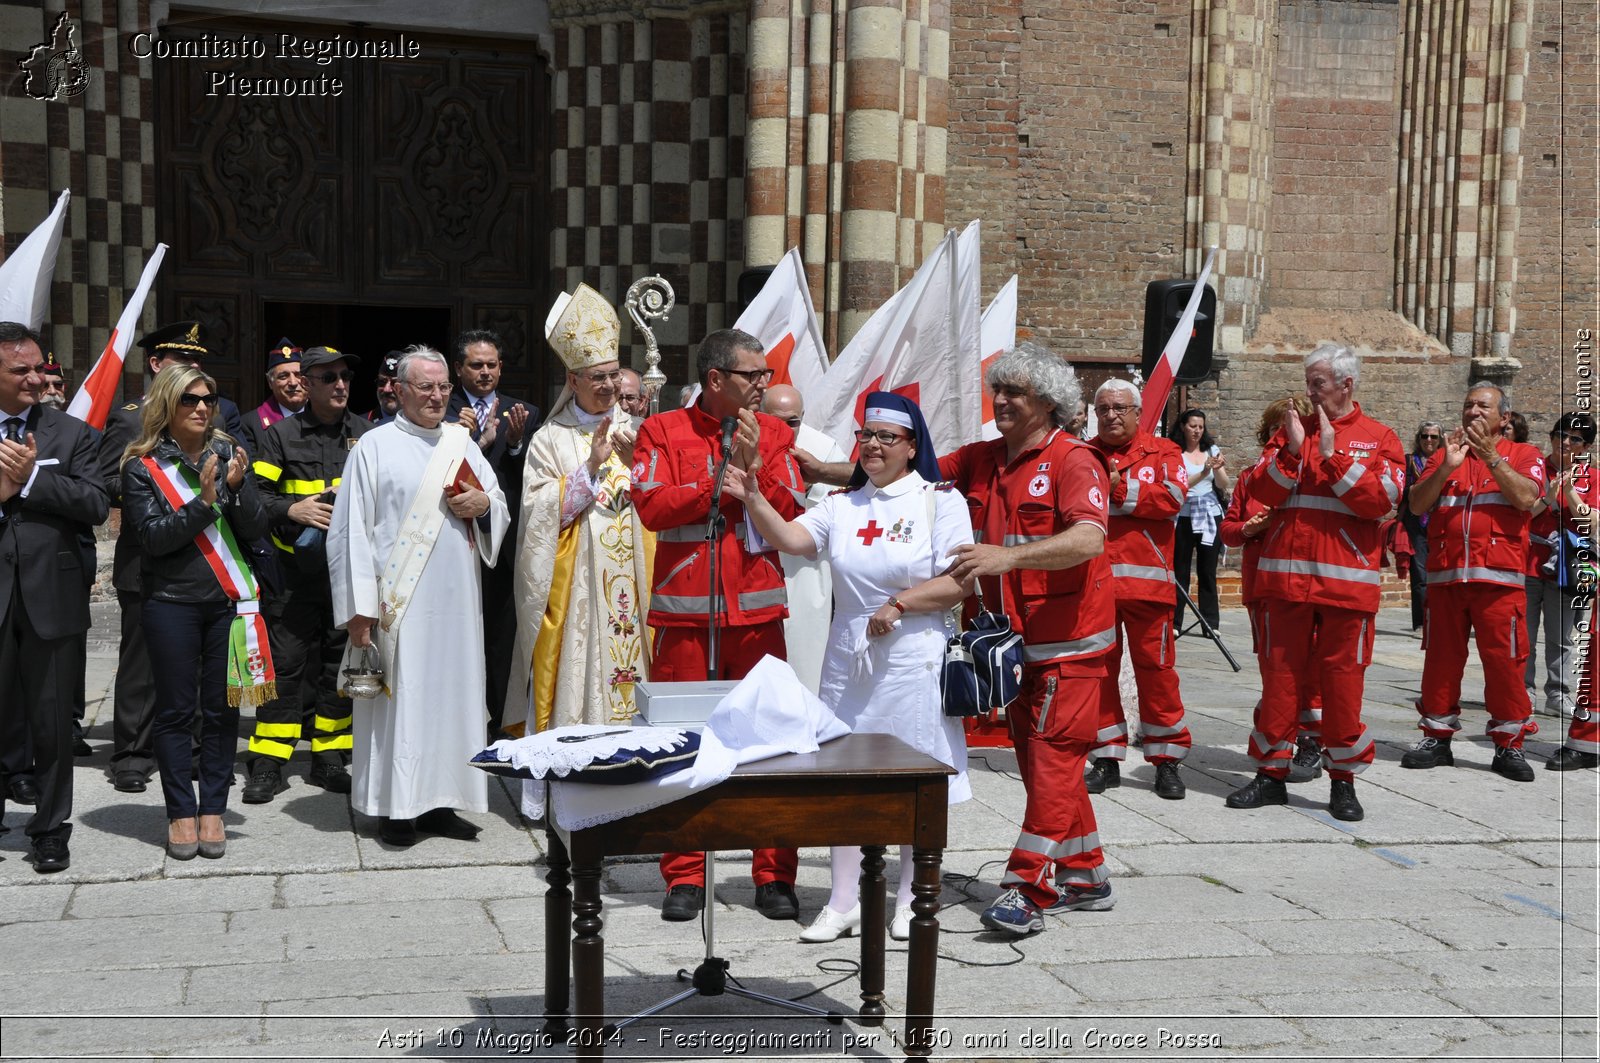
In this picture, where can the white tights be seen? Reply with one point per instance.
(847, 878)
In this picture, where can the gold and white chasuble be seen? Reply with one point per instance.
(581, 589)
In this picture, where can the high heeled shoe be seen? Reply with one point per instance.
(829, 925)
(180, 850)
(213, 849)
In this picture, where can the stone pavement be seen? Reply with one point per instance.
(1459, 919)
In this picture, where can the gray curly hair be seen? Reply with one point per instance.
(1031, 366)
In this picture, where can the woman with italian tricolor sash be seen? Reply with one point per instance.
(188, 496)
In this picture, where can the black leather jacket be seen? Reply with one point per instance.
(172, 567)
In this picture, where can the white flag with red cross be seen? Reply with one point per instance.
(782, 318)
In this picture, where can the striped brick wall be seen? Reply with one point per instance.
(99, 145)
(849, 108)
(1462, 112)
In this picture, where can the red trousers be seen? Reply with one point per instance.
(1310, 696)
(1052, 726)
(1497, 615)
(680, 657)
(1334, 647)
(1146, 627)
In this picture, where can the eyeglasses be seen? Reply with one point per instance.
(603, 378)
(887, 439)
(1112, 411)
(189, 402)
(441, 388)
(755, 376)
(330, 375)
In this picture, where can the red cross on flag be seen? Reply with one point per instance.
(782, 318)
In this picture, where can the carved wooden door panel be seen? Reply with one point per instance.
(422, 183)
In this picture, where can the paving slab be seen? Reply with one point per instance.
(46, 900)
(1548, 967)
(377, 931)
(1337, 937)
(1336, 1017)
(1519, 1008)
(174, 1030)
(234, 893)
(147, 941)
(1247, 975)
(475, 882)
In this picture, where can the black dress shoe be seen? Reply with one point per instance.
(80, 748)
(24, 791)
(776, 900)
(1262, 790)
(1106, 774)
(332, 778)
(1511, 764)
(1342, 803)
(50, 854)
(266, 782)
(683, 903)
(1568, 759)
(445, 821)
(400, 832)
(129, 781)
(1168, 784)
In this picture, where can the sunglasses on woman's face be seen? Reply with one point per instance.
(189, 402)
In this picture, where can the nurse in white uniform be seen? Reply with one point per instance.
(887, 536)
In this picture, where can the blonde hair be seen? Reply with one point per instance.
(1272, 416)
(161, 403)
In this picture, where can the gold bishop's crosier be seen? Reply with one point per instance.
(650, 298)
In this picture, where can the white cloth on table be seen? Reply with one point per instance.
(770, 713)
(411, 750)
(879, 544)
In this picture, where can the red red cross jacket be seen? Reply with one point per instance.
(1325, 543)
(674, 469)
(1144, 505)
(1065, 614)
(1475, 534)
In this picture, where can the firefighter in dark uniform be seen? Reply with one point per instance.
(298, 470)
(134, 695)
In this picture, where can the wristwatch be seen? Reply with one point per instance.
(1498, 458)
(896, 603)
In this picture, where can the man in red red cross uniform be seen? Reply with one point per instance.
(1148, 484)
(1038, 497)
(1479, 490)
(1336, 477)
(674, 472)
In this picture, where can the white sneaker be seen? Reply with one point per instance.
(900, 926)
(831, 926)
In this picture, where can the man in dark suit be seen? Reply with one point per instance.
(134, 694)
(50, 497)
(501, 425)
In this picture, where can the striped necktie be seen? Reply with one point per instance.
(483, 415)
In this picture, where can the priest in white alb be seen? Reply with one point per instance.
(583, 559)
(418, 508)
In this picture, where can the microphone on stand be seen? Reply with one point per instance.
(729, 424)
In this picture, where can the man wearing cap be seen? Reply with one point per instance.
(298, 470)
(388, 394)
(134, 694)
(674, 467)
(286, 388)
(583, 570)
(53, 392)
(500, 425)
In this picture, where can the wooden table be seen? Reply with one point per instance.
(870, 790)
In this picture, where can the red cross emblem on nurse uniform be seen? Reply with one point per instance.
(870, 532)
